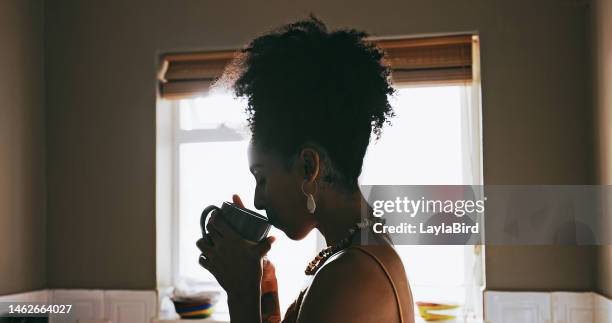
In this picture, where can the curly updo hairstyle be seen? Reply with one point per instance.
(307, 86)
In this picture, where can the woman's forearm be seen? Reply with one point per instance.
(245, 307)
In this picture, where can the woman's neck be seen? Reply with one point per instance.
(339, 212)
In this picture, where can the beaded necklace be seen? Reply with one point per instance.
(320, 259)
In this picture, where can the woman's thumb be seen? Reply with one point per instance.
(236, 199)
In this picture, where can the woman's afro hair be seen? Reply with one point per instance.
(304, 84)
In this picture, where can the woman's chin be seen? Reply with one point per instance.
(296, 234)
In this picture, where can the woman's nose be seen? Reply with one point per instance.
(259, 206)
(258, 201)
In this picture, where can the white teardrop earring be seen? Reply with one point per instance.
(311, 205)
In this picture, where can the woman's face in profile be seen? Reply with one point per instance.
(278, 191)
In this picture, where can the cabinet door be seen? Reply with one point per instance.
(513, 307)
(130, 306)
(572, 307)
(85, 304)
(602, 309)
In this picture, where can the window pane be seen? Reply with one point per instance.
(423, 144)
(290, 259)
(434, 265)
(209, 173)
(423, 147)
(211, 111)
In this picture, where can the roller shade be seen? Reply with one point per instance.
(429, 60)
(413, 61)
(191, 74)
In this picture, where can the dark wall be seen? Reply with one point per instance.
(602, 78)
(22, 147)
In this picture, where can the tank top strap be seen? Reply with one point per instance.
(292, 312)
(386, 271)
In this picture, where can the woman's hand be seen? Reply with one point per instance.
(270, 308)
(235, 262)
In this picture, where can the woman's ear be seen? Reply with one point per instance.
(310, 163)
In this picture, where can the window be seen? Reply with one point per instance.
(434, 140)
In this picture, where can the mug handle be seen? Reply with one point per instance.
(204, 216)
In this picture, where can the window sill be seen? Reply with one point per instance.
(208, 320)
(167, 312)
(225, 319)
(215, 318)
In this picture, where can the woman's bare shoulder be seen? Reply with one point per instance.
(347, 288)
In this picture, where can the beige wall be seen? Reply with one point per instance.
(604, 271)
(22, 154)
(602, 10)
(101, 66)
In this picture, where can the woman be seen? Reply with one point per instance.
(314, 98)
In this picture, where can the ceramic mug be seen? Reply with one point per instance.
(249, 224)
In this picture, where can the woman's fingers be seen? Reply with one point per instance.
(214, 236)
(264, 246)
(205, 247)
(205, 263)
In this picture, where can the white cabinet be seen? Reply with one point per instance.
(602, 309)
(514, 307)
(130, 306)
(555, 307)
(85, 304)
(105, 306)
(572, 307)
